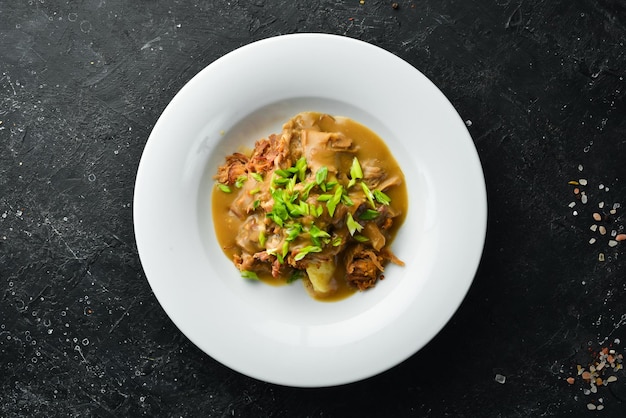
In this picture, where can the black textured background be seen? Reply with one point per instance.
(541, 87)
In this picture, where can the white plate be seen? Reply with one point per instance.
(280, 334)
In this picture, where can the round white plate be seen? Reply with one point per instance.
(280, 334)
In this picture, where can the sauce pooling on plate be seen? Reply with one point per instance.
(319, 202)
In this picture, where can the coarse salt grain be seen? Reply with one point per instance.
(612, 211)
(602, 230)
(601, 186)
(600, 407)
(582, 182)
(572, 204)
(591, 407)
(611, 379)
(601, 257)
(580, 167)
(500, 379)
(601, 205)
(612, 243)
(583, 198)
(597, 216)
(594, 227)
(592, 241)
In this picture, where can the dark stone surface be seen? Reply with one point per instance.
(541, 86)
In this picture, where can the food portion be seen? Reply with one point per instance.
(319, 202)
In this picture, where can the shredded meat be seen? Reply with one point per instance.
(363, 266)
(235, 166)
(376, 177)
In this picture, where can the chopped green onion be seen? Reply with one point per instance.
(368, 215)
(368, 194)
(331, 205)
(306, 190)
(224, 188)
(382, 197)
(361, 238)
(247, 274)
(330, 185)
(318, 233)
(280, 181)
(240, 181)
(293, 231)
(257, 177)
(262, 238)
(346, 200)
(254, 191)
(283, 173)
(353, 226)
(306, 250)
(277, 219)
(256, 204)
(336, 242)
(291, 184)
(285, 249)
(320, 176)
(355, 171)
(324, 197)
(301, 167)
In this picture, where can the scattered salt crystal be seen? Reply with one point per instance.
(586, 391)
(500, 379)
(597, 216)
(582, 182)
(594, 227)
(601, 205)
(601, 186)
(611, 379)
(580, 167)
(600, 407)
(583, 199)
(616, 206)
(592, 241)
(602, 230)
(601, 257)
(572, 204)
(612, 211)
(612, 243)
(591, 407)
(594, 389)
(617, 341)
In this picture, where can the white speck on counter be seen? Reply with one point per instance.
(500, 379)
